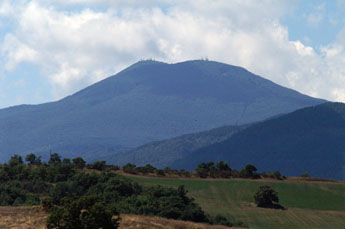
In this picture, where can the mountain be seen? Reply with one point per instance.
(146, 102)
(163, 153)
(308, 140)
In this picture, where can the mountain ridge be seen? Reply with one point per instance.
(308, 140)
(148, 101)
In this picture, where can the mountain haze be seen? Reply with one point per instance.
(146, 102)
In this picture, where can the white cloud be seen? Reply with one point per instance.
(16, 52)
(79, 47)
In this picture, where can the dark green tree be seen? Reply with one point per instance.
(223, 170)
(66, 161)
(205, 169)
(54, 159)
(249, 172)
(98, 165)
(266, 197)
(15, 160)
(31, 159)
(78, 162)
(148, 168)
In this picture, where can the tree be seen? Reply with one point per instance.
(266, 197)
(66, 161)
(31, 159)
(249, 171)
(148, 168)
(223, 169)
(277, 175)
(205, 169)
(54, 159)
(98, 165)
(78, 162)
(15, 160)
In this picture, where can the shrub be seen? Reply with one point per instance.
(130, 168)
(305, 175)
(47, 203)
(82, 213)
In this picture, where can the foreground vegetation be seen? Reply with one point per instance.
(92, 196)
(309, 204)
(75, 193)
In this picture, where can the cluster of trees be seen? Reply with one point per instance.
(78, 196)
(149, 169)
(220, 169)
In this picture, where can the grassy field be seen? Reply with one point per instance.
(310, 204)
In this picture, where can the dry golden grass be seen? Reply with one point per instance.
(22, 218)
(148, 222)
(35, 218)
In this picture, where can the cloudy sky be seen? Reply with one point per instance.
(53, 48)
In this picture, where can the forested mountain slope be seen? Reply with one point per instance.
(146, 102)
(308, 140)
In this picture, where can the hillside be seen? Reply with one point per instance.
(317, 205)
(148, 101)
(308, 140)
(163, 153)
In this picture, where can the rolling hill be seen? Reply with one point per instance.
(308, 140)
(148, 101)
(309, 204)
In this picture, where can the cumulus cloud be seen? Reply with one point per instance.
(74, 48)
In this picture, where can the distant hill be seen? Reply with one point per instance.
(148, 101)
(308, 140)
(163, 153)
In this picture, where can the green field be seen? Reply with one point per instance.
(310, 204)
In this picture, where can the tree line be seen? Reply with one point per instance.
(219, 169)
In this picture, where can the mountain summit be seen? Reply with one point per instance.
(148, 101)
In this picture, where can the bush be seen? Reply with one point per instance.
(221, 220)
(160, 172)
(130, 168)
(82, 213)
(305, 175)
(47, 203)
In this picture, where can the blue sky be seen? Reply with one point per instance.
(51, 49)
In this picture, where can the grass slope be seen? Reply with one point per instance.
(310, 204)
